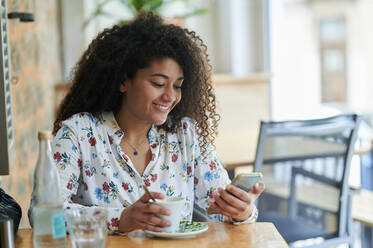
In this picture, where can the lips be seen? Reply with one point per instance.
(163, 108)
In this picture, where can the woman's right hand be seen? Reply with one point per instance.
(144, 215)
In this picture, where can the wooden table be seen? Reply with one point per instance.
(218, 235)
(362, 207)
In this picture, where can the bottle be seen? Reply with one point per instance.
(47, 207)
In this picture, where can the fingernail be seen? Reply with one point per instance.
(260, 185)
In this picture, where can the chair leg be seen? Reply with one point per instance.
(366, 237)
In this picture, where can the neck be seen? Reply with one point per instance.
(134, 131)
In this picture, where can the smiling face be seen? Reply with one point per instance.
(152, 93)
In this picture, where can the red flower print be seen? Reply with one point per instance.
(92, 141)
(125, 186)
(110, 140)
(210, 195)
(117, 132)
(154, 145)
(174, 158)
(212, 165)
(185, 125)
(195, 180)
(154, 178)
(80, 163)
(106, 187)
(115, 222)
(125, 157)
(147, 183)
(57, 156)
(153, 156)
(189, 170)
(70, 186)
(88, 173)
(85, 186)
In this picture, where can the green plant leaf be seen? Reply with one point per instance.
(136, 5)
(155, 4)
(195, 12)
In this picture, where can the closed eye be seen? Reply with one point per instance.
(159, 85)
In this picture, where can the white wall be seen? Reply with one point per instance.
(360, 50)
(295, 65)
(73, 37)
(295, 57)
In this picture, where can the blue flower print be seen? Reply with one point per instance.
(99, 173)
(89, 132)
(208, 176)
(74, 148)
(98, 193)
(169, 190)
(164, 187)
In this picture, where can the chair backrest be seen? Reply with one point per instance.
(318, 150)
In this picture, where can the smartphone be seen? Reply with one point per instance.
(244, 181)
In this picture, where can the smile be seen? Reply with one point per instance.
(162, 107)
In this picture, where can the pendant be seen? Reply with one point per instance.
(135, 153)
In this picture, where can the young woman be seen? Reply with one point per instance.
(141, 111)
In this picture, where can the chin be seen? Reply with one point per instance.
(160, 121)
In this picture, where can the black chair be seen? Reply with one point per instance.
(306, 167)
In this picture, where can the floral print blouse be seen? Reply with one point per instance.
(95, 172)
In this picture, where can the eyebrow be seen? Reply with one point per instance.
(164, 76)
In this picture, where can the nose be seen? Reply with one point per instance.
(169, 94)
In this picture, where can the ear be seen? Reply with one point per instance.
(123, 86)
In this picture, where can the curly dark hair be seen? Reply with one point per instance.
(120, 51)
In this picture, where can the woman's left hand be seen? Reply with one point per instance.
(236, 203)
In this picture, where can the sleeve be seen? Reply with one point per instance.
(67, 155)
(209, 175)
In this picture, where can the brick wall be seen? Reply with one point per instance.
(36, 62)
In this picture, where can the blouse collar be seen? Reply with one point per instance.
(115, 132)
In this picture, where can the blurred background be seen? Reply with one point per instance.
(272, 60)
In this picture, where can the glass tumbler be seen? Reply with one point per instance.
(87, 228)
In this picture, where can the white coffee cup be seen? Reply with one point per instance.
(176, 205)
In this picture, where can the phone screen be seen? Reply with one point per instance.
(243, 181)
(247, 181)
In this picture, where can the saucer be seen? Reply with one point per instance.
(191, 229)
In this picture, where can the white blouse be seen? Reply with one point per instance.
(94, 170)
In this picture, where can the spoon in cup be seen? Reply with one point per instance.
(148, 193)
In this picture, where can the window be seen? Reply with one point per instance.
(332, 33)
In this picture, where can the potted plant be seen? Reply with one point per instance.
(184, 8)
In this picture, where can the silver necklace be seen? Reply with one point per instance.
(135, 152)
